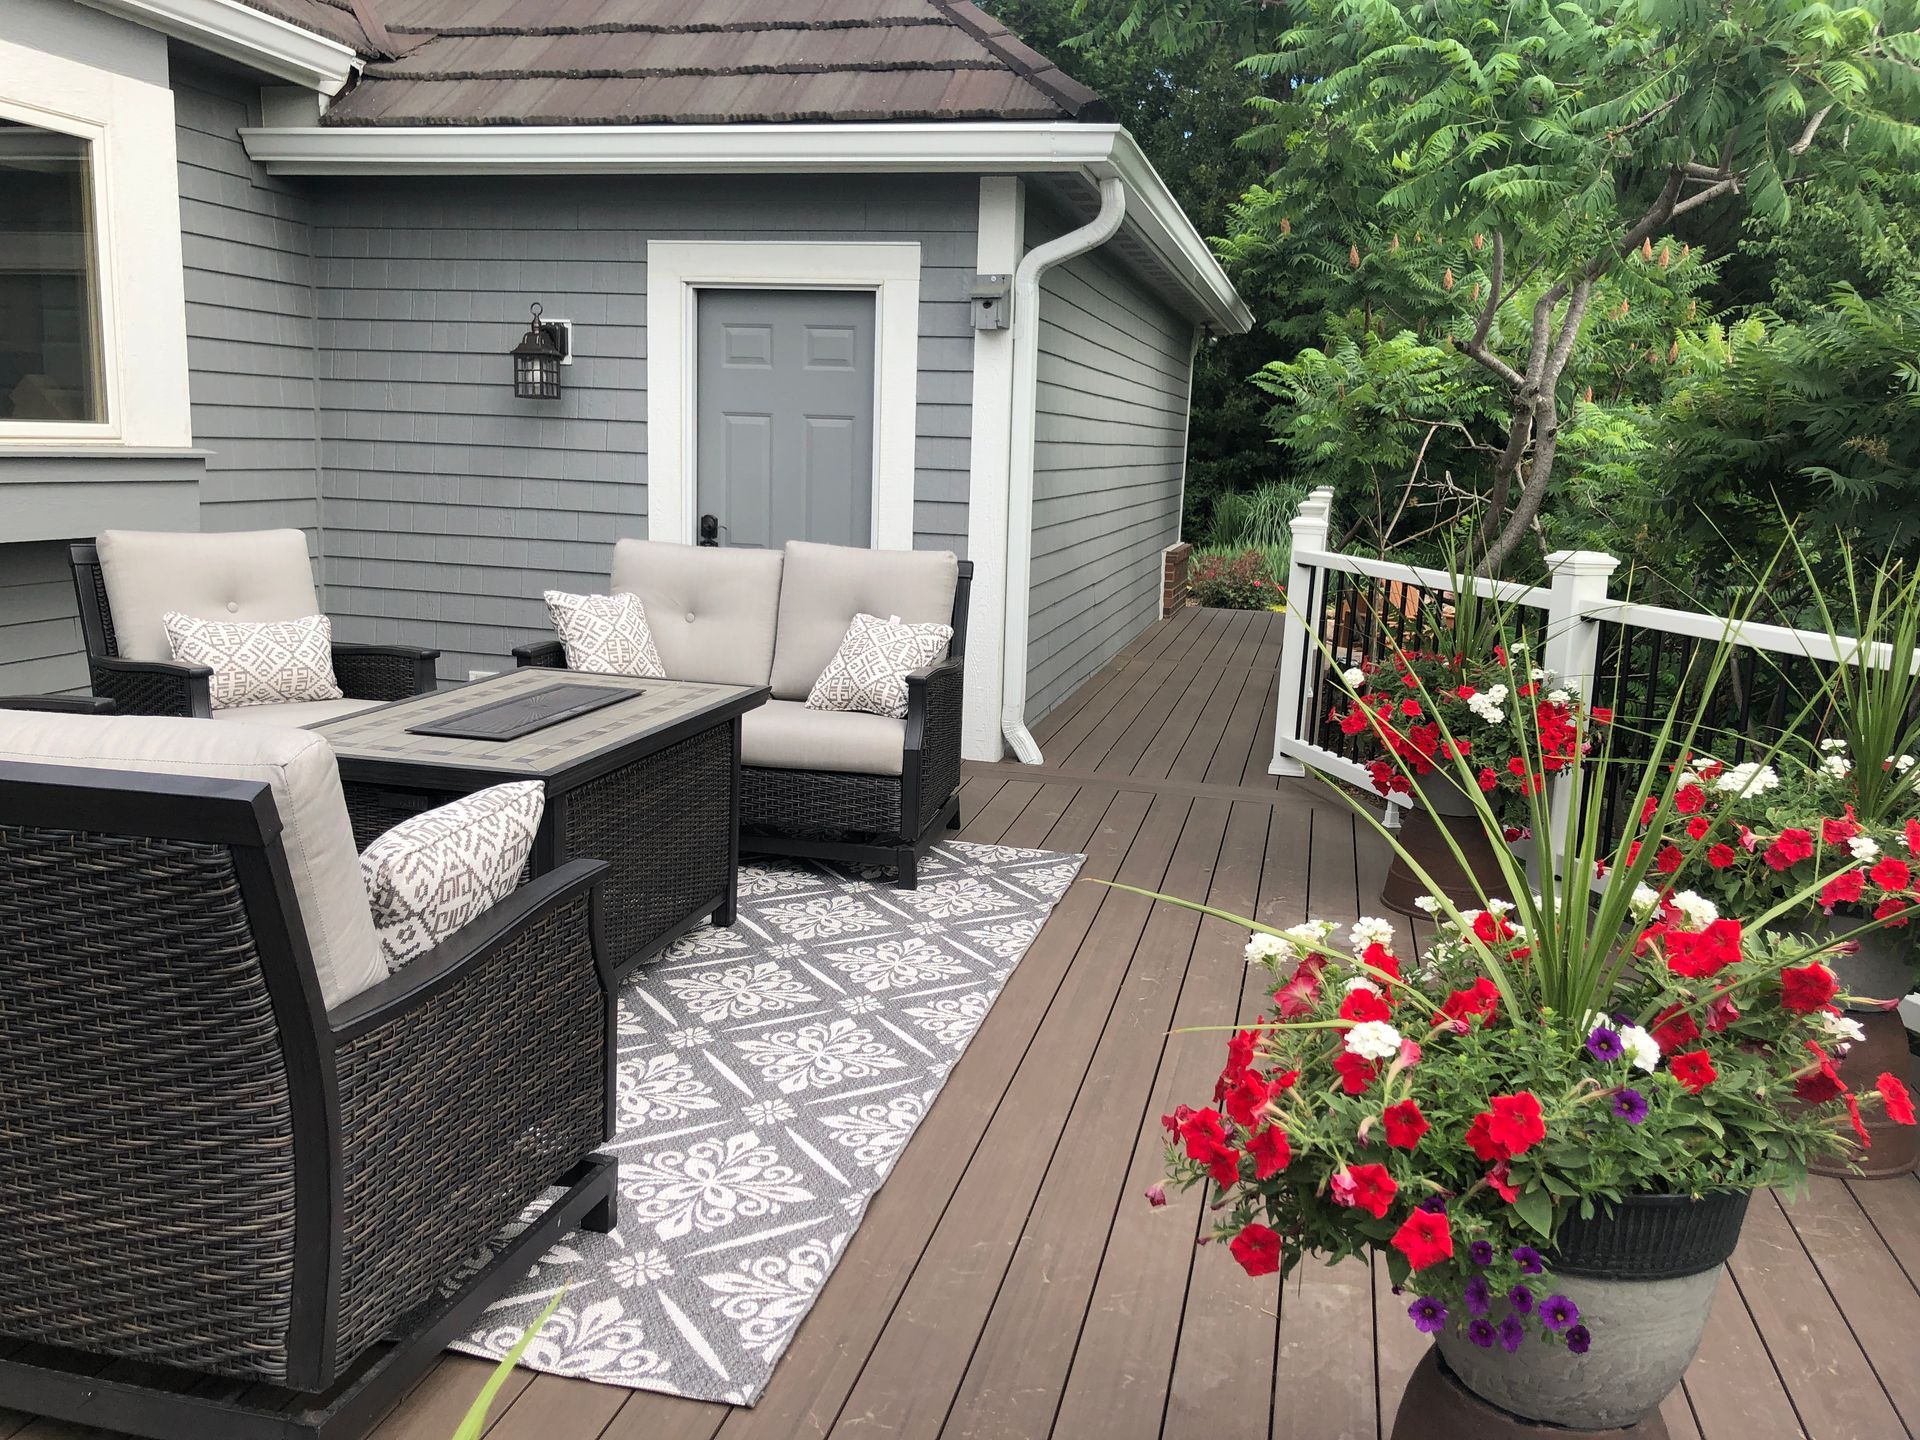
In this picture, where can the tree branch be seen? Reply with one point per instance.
(1799, 147)
(1728, 186)
(1495, 273)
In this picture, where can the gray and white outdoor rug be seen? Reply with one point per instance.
(770, 1074)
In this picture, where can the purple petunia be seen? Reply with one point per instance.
(1480, 1252)
(1434, 1204)
(1605, 1044)
(1428, 1314)
(1557, 1312)
(1630, 1105)
(1480, 1332)
(1521, 1299)
(1478, 1296)
(1512, 1332)
(1528, 1259)
(1578, 1339)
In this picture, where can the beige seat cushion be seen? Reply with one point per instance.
(296, 713)
(825, 586)
(246, 575)
(786, 735)
(711, 610)
(306, 791)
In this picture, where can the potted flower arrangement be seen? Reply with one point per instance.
(1763, 834)
(1427, 715)
(1548, 1123)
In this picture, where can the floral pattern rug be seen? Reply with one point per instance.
(770, 1075)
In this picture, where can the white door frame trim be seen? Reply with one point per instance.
(678, 269)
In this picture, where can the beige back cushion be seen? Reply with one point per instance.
(246, 575)
(825, 586)
(306, 792)
(711, 610)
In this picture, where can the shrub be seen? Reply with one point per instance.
(1242, 581)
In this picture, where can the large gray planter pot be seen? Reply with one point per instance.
(1644, 1279)
(1880, 967)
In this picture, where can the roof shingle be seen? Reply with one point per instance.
(715, 62)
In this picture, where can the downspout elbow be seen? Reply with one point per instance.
(1026, 355)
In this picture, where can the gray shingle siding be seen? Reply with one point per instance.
(1110, 455)
(449, 505)
(40, 651)
(246, 243)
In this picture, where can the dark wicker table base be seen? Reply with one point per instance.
(666, 824)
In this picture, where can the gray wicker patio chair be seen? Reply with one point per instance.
(228, 1209)
(253, 575)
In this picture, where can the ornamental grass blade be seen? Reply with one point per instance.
(475, 1420)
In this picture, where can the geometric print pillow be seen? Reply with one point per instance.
(433, 872)
(257, 663)
(869, 671)
(605, 634)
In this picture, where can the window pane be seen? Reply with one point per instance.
(49, 296)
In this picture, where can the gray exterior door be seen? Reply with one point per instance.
(783, 402)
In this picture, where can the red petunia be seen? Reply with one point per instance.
(1789, 849)
(1690, 800)
(1694, 1070)
(1899, 1101)
(1425, 1238)
(1356, 1072)
(1410, 708)
(1823, 1083)
(1891, 874)
(1720, 856)
(1807, 987)
(1302, 990)
(1701, 954)
(1373, 1188)
(1247, 1097)
(1499, 1179)
(1206, 1142)
(1894, 911)
(1482, 1000)
(1838, 832)
(1480, 1138)
(1698, 827)
(1846, 888)
(1404, 1124)
(1491, 929)
(1363, 1004)
(1600, 715)
(1853, 1118)
(1257, 1249)
(1673, 1028)
(1270, 1151)
(1913, 837)
(1487, 778)
(1517, 1125)
(1668, 859)
(1650, 809)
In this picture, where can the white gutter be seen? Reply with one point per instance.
(251, 37)
(1026, 384)
(1097, 152)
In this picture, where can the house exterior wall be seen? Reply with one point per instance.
(1114, 374)
(40, 651)
(247, 248)
(448, 504)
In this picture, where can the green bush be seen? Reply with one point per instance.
(1226, 580)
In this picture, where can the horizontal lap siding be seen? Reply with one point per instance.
(1109, 455)
(250, 333)
(450, 505)
(40, 650)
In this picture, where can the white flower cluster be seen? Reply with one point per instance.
(1700, 911)
(1361, 982)
(1863, 847)
(1356, 678)
(1835, 767)
(1489, 705)
(1841, 1027)
(1263, 948)
(1749, 778)
(1373, 1040)
(1642, 1049)
(1832, 745)
(1427, 903)
(1370, 930)
(1644, 900)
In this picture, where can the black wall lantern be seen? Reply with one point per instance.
(536, 360)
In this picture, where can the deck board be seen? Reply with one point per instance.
(1009, 1279)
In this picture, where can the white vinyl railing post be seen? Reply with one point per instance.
(1301, 634)
(1573, 650)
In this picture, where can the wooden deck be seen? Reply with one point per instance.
(1010, 1281)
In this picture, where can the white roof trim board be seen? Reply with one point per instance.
(239, 32)
(1095, 151)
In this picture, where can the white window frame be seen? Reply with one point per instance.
(126, 115)
(106, 331)
(677, 270)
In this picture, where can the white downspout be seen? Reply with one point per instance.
(1026, 377)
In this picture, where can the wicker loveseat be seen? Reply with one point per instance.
(236, 1149)
(855, 787)
(128, 579)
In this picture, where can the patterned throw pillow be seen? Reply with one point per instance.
(433, 872)
(257, 662)
(869, 671)
(605, 634)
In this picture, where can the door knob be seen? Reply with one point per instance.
(709, 529)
